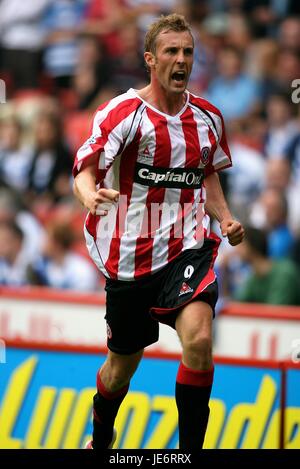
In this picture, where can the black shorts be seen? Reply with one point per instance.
(135, 308)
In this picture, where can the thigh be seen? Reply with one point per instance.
(130, 327)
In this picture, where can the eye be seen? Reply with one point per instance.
(188, 51)
(171, 50)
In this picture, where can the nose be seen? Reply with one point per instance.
(180, 57)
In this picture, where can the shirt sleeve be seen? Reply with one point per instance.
(220, 155)
(112, 130)
(103, 144)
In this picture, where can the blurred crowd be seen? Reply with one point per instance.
(60, 59)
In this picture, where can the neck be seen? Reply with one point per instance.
(168, 103)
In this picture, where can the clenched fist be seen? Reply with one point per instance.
(233, 230)
(100, 201)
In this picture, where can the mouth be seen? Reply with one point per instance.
(179, 77)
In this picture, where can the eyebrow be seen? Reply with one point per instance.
(187, 48)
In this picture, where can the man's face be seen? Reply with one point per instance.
(171, 65)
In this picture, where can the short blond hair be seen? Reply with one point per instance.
(173, 22)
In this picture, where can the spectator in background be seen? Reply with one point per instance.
(234, 92)
(262, 61)
(263, 15)
(22, 38)
(62, 21)
(59, 266)
(144, 12)
(270, 213)
(275, 61)
(93, 74)
(208, 40)
(292, 153)
(282, 127)
(277, 78)
(287, 69)
(289, 32)
(213, 31)
(279, 177)
(239, 33)
(272, 282)
(103, 19)
(15, 157)
(13, 257)
(129, 70)
(246, 178)
(49, 174)
(13, 210)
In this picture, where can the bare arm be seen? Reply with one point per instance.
(84, 189)
(217, 207)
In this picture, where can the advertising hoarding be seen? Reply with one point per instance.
(46, 397)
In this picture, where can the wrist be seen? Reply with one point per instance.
(225, 219)
(87, 199)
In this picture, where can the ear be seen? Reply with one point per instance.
(149, 59)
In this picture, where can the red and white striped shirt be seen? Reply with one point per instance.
(158, 163)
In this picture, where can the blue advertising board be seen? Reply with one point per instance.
(292, 414)
(46, 398)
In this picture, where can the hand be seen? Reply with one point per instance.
(101, 201)
(233, 230)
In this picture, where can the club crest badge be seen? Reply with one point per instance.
(205, 155)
